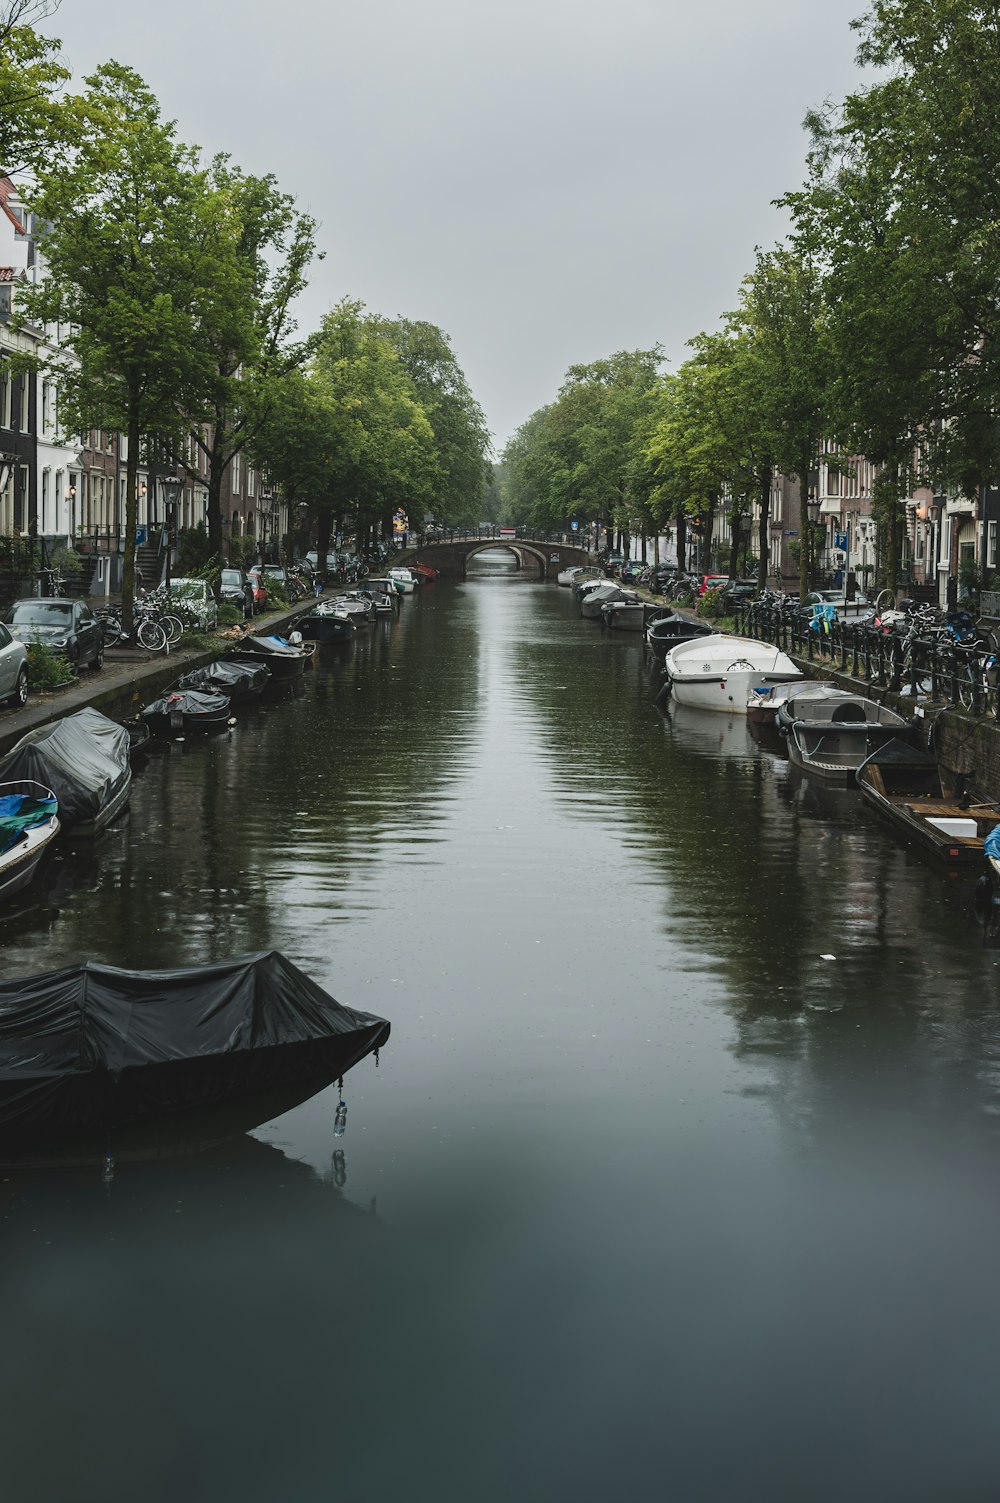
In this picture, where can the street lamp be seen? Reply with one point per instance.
(812, 511)
(172, 487)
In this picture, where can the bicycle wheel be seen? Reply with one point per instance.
(173, 627)
(885, 600)
(967, 684)
(112, 630)
(150, 634)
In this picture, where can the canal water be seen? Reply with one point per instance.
(679, 1176)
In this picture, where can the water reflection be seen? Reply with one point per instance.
(687, 1128)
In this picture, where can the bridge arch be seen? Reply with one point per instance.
(450, 556)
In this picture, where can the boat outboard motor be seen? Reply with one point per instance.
(295, 638)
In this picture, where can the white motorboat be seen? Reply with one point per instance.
(28, 825)
(718, 672)
(403, 579)
(592, 603)
(571, 575)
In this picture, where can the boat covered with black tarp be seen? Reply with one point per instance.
(187, 710)
(84, 760)
(93, 1049)
(238, 681)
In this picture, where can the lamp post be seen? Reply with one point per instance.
(172, 485)
(812, 510)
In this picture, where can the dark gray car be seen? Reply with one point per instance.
(66, 627)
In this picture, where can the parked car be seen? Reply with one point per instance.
(255, 579)
(66, 627)
(13, 668)
(733, 592)
(235, 589)
(661, 576)
(195, 596)
(612, 563)
(712, 582)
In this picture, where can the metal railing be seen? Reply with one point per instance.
(921, 667)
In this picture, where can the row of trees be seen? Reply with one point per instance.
(173, 283)
(874, 327)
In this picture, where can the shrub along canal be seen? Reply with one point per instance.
(677, 1178)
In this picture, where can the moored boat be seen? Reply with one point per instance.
(830, 734)
(84, 759)
(240, 682)
(929, 806)
(93, 1049)
(593, 602)
(670, 630)
(631, 615)
(29, 822)
(718, 672)
(327, 624)
(282, 658)
(404, 580)
(764, 704)
(187, 710)
(428, 573)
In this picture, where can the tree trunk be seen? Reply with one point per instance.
(804, 534)
(681, 539)
(324, 521)
(217, 462)
(764, 525)
(131, 516)
(734, 546)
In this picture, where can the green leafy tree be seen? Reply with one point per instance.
(131, 228)
(260, 257)
(32, 119)
(461, 437)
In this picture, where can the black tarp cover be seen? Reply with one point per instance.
(226, 676)
(83, 758)
(96, 1017)
(187, 702)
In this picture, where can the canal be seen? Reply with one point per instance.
(679, 1176)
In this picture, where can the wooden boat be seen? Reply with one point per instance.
(327, 624)
(241, 683)
(930, 807)
(718, 672)
(187, 710)
(139, 737)
(93, 1049)
(84, 759)
(282, 658)
(831, 732)
(29, 822)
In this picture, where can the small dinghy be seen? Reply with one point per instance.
(84, 759)
(325, 624)
(668, 631)
(241, 683)
(28, 825)
(831, 732)
(929, 806)
(91, 1050)
(187, 710)
(282, 658)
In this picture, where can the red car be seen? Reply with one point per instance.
(255, 579)
(712, 582)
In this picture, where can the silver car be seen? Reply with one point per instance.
(13, 668)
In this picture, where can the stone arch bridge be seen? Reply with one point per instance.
(450, 556)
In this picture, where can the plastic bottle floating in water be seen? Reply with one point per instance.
(340, 1119)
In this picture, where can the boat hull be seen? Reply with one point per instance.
(19, 865)
(99, 1101)
(326, 629)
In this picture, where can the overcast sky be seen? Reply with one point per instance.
(547, 180)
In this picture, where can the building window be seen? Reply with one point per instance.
(991, 546)
(833, 482)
